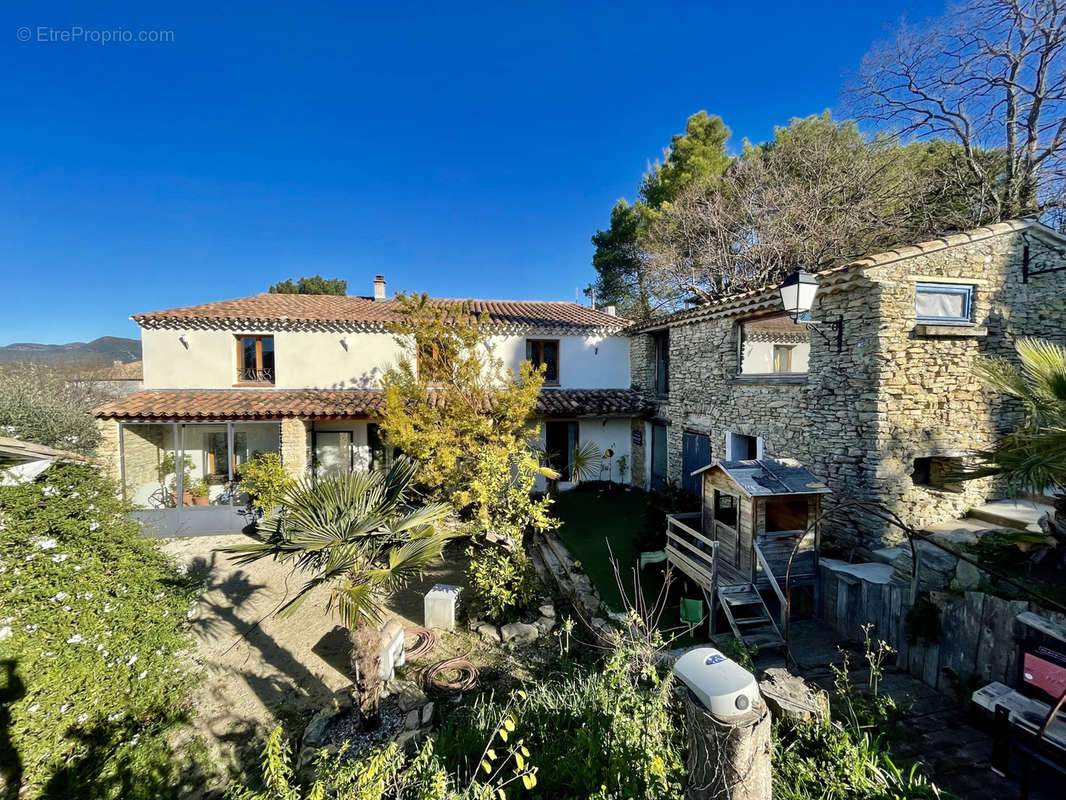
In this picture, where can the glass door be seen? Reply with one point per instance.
(333, 452)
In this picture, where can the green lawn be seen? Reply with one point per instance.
(592, 519)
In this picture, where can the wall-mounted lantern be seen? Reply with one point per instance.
(345, 342)
(184, 341)
(798, 291)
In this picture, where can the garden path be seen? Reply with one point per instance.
(939, 733)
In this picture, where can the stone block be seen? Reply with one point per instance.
(488, 632)
(411, 697)
(519, 632)
(967, 576)
(439, 607)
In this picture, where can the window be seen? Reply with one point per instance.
(434, 362)
(742, 448)
(725, 508)
(783, 357)
(217, 448)
(662, 361)
(773, 345)
(545, 352)
(788, 513)
(255, 359)
(381, 455)
(938, 472)
(943, 303)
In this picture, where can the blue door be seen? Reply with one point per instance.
(658, 457)
(695, 453)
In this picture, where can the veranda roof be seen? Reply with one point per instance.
(229, 404)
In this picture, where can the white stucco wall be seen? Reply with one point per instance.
(759, 357)
(585, 362)
(208, 362)
(316, 360)
(303, 360)
(605, 433)
(319, 360)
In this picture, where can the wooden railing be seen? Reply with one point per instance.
(690, 551)
(764, 565)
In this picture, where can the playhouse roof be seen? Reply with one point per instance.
(765, 477)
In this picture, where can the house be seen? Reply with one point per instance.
(300, 375)
(118, 380)
(874, 393)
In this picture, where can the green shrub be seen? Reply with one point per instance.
(264, 478)
(503, 583)
(384, 773)
(38, 405)
(828, 762)
(593, 733)
(91, 618)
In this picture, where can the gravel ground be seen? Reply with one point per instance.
(347, 729)
(259, 669)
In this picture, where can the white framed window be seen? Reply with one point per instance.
(739, 447)
(944, 303)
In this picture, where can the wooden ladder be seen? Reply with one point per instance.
(749, 617)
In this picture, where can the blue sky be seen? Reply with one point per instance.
(467, 150)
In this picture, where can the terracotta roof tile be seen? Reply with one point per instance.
(592, 403)
(295, 309)
(313, 404)
(242, 404)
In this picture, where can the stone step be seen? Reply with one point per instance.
(1018, 514)
(958, 533)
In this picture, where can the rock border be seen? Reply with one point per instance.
(418, 709)
(517, 633)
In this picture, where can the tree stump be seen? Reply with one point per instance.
(728, 757)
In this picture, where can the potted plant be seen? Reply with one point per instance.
(264, 479)
(168, 468)
(199, 491)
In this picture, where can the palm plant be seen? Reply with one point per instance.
(585, 462)
(1033, 458)
(356, 534)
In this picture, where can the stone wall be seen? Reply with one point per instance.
(928, 400)
(898, 391)
(144, 451)
(637, 476)
(295, 435)
(642, 362)
(107, 450)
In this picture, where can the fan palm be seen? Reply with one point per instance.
(1032, 458)
(356, 534)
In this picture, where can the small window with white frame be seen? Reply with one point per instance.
(944, 303)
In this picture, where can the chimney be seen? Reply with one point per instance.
(379, 287)
(611, 311)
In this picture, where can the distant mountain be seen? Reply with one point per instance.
(106, 349)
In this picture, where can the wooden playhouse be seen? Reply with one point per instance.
(754, 514)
